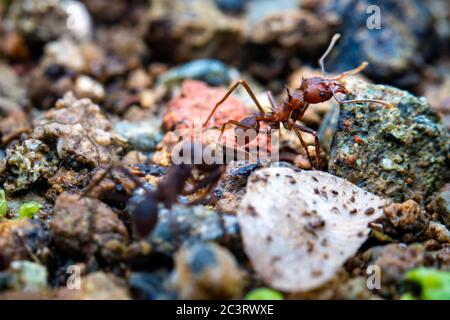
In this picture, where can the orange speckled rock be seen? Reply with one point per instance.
(196, 101)
(186, 113)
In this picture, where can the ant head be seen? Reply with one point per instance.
(318, 89)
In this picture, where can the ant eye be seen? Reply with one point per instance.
(322, 94)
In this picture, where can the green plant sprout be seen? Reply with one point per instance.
(264, 294)
(434, 284)
(3, 204)
(28, 209)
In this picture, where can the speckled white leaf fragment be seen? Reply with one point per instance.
(299, 228)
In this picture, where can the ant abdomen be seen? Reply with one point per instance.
(145, 216)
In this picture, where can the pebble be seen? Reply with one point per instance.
(207, 271)
(213, 72)
(24, 276)
(401, 152)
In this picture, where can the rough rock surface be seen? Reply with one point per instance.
(401, 152)
(441, 204)
(80, 131)
(26, 163)
(86, 226)
(66, 180)
(299, 228)
(406, 221)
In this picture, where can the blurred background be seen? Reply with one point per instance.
(406, 43)
(130, 58)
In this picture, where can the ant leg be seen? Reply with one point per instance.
(316, 140)
(229, 92)
(191, 180)
(136, 181)
(97, 181)
(172, 221)
(210, 181)
(30, 252)
(288, 91)
(204, 193)
(299, 135)
(236, 123)
(271, 99)
(108, 170)
(238, 154)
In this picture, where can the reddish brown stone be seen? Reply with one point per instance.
(195, 103)
(13, 125)
(187, 112)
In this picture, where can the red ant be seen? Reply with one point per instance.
(311, 91)
(145, 215)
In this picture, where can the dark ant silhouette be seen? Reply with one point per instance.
(311, 91)
(145, 215)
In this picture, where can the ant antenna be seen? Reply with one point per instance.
(330, 47)
(288, 91)
(384, 103)
(352, 72)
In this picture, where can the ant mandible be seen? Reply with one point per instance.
(311, 91)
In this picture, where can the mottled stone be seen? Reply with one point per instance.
(80, 132)
(26, 163)
(401, 152)
(441, 204)
(406, 221)
(142, 135)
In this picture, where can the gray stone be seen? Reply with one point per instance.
(400, 152)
